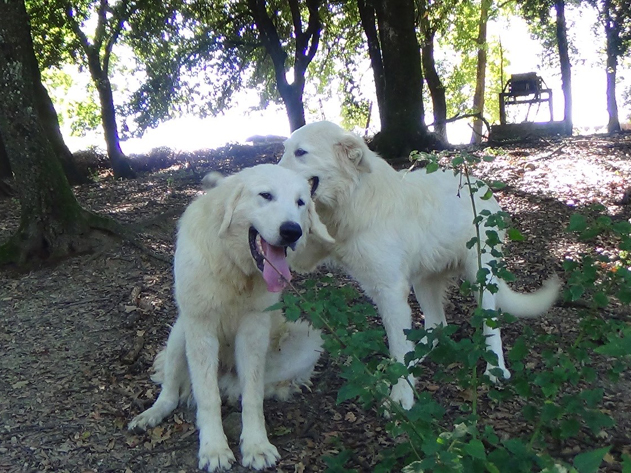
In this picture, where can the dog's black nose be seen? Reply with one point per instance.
(290, 232)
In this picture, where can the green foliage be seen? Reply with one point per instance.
(561, 397)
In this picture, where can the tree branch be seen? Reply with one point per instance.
(121, 15)
(270, 39)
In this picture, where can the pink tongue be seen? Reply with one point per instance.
(276, 256)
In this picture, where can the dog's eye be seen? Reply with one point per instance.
(299, 152)
(300, 202)
(266, 195)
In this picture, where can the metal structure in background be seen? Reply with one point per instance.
(527, 88)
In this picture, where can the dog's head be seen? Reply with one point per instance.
(329, 154)
(270, 207)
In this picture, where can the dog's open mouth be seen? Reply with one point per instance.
(271, 261)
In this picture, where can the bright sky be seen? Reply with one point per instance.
(523, 53)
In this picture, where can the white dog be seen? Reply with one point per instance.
(395, 230)
(229, 268)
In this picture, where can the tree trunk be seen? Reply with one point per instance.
(403, 128)
(436, 88)
(611, 34)
(478, 96)
(368, 20)
(5, 166)
(294, 105)
(306, 45)
(566, 67)
(52, 222)
(120, 163)
(50, 122)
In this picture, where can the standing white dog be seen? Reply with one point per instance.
(394, 230)
(230, 249)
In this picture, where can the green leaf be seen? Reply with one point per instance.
(431, 167)
(457, 161)
(471, 243)
(487, 195)
(515, 235)
(618, 346)
(475, 448)
(488, 158)
(497, 185)
(519, 350)
(626, 463)
(578, 223)
(601, 300)
(349, 391)
(589, 462)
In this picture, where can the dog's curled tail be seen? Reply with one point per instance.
(528, 305)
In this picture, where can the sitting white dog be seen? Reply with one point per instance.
(396, 230)
(229, 268)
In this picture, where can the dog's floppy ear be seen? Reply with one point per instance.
(212, 180)
(230, 206)
(316, 227)
(353, 148)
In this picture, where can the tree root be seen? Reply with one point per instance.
(98, 222)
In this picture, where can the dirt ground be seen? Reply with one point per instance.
(78, 339)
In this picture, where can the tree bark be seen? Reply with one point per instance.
(566, 67)
(50, 122)
(5, 165)
(478, 96)
(613, 51)
(120, 163)
(368, 18)
(52, 222)
(435, 85)
(99, 72)
(403, 128)
(307, 42)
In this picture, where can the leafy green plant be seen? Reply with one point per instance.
(560, 395)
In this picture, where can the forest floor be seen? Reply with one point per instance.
(78, 339)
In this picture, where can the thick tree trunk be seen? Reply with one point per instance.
(478, 96)
(368, 20)
(52, 222)
(564, 59)
(50, 122)
(292, 98)
(403, 129)
(613, 124)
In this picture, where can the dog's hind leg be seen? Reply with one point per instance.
(493, 334)
(251, 345)
(172, 373)
(493, 338)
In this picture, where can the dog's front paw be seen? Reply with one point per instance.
(403, 394)
(258, 454)
(144, 421)
(216, 456)
(495, 376)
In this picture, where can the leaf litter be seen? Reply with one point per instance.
(79, 338)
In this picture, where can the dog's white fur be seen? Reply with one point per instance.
(394, 230)
(224, 337)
